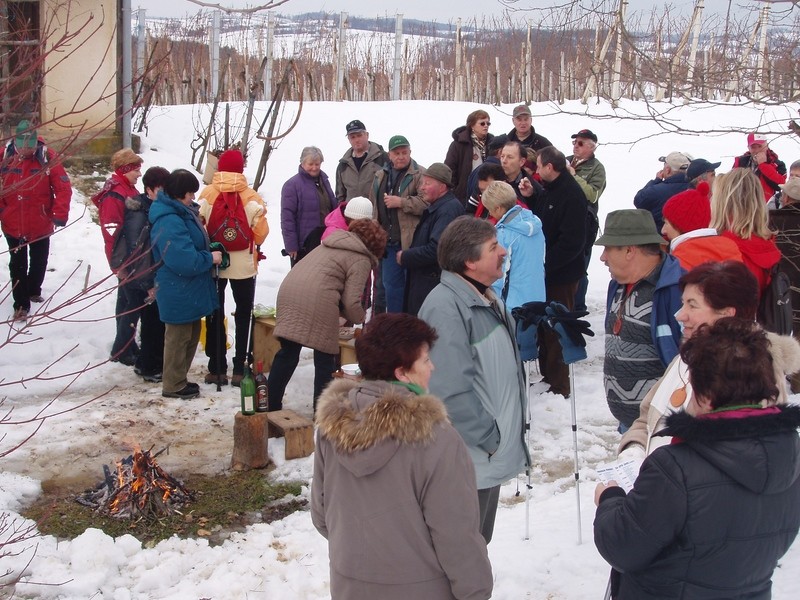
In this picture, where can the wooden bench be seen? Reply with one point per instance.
(298, 432)
(266, 345)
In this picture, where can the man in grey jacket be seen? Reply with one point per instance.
(478, 372)
(359, 163)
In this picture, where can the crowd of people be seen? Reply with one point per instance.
(431, 261)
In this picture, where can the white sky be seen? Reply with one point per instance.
(442, 12)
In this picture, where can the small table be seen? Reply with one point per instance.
(266, 345)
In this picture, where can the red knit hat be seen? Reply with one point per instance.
(231, 161)
(689, 210)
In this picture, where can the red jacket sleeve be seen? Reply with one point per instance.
(62, 193)
(769, 171)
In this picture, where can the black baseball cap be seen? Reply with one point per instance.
(355, 126)
(585, 133)
(699, 166)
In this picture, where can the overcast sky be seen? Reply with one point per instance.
(439, 10)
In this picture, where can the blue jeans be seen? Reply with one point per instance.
(394, 279)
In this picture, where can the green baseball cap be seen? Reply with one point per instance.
(397, 141)
(25, 135)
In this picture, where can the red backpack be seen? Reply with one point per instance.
(228, 224)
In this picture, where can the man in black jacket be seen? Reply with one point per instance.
(562, 210)
(524, 132)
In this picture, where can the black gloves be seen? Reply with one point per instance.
(530, 313)
(570, 322)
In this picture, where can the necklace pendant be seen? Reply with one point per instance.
(617, 326)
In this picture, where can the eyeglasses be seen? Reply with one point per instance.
(579, 143)
(484, 123)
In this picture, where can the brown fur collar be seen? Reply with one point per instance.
(395, 414)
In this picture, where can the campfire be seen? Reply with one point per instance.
(139, 488)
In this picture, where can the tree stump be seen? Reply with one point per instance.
(250, 435)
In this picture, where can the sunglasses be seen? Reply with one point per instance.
(484, 123)
(579, 143)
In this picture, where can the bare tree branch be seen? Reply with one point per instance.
(244, 11)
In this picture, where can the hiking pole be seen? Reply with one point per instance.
(528, 443)
(607, 595)
(250, 358)
(575, 448)
(219, 323)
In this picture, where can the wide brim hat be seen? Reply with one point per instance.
(630, 227)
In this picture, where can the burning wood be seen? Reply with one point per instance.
(139, 488)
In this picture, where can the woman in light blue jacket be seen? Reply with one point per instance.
(519, 231)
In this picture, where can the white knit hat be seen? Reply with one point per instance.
(358, 208)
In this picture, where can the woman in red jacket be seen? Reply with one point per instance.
(110, 203)
(34, 198)
(738, 212)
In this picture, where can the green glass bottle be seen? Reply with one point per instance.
(248, 392)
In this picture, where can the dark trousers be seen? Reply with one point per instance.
(583, 284)
(27, 277)
(551, 362)
(244, 291)
(283, 367)
(151, 351)
(487, 507)
(129, 305)
(394, 279)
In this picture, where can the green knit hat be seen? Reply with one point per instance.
(25, 136)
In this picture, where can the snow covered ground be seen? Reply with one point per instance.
(288, 559)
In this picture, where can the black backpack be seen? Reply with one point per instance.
(134, 263)
(775, 306)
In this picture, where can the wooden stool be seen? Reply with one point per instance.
(298, 431)
(250, 438)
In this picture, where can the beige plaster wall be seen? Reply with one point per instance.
(80, 90)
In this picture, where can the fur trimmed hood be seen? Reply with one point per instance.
(367, 421)
(785, 351)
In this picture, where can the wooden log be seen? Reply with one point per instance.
(297, 430)
(250, 435)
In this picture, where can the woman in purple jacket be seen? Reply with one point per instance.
(306, 199)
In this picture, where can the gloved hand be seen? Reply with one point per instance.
(570, 323)
(59, 222)
(226, 258)
(530, 313)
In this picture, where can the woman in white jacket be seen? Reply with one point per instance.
(710, 291)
